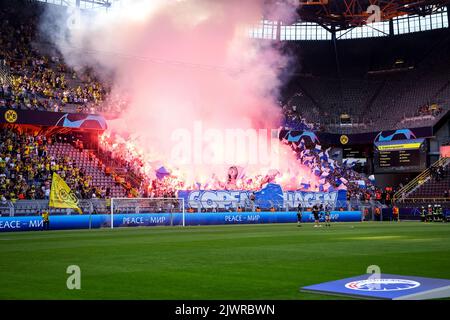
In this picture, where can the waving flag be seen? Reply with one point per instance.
(325, 174)
(61, 196)
(342, 187)
(331, 162)
(317, 171)
(361, 184)
(302, 143)
(323, 156)
(161, 173)
(317, 148)
(305, 185)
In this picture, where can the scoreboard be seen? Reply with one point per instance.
(355, 152)
(400, 156)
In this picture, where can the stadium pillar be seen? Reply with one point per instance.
(448, 15)
(391, 27)
(278, 30)
(338, 66)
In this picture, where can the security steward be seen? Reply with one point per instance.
(423, 214)
(395, 213)
(430, 213)
(377, 214)
(436, 213)
(45, 220)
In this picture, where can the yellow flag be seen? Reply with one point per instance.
(61, 196)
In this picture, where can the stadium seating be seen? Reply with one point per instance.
(33, 74)
(375, 94)
(430, 185)
(434, 187)
(90, 167)
(27, 162)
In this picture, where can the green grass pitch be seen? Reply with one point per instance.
(215, 262)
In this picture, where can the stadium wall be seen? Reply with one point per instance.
(34, 223)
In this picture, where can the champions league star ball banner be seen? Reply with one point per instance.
(271, 195)
(96, 221)
(53, 119)
(385, 286)
(334, 139)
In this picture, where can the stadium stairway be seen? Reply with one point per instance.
(425, 187)
(81, 160)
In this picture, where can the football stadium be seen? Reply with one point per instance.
(256, 150)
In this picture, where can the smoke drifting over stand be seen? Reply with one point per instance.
(185, 64)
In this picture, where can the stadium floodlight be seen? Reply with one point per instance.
(133, 212)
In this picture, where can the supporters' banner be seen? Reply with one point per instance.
(53, 119)
(272, 195)
(61, 196)
(308, 199)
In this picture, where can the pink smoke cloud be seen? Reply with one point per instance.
(182, 63)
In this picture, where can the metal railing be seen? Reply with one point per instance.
(422, 178)
(5, 76)
(433, 200)
(280, 206)
(34, 207)
(6, 209)
(142, 205)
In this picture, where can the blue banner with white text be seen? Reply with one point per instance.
(65, 222)
(270, 196)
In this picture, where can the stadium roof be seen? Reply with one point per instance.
(84, 4)
(344, 14)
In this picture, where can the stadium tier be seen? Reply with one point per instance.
(384, 84)
(34, 75)
(27, 162)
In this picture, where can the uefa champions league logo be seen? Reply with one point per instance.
(382, 285)
(385, 286)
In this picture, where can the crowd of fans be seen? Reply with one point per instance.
(155, 181)
(331, 175)
(429, 110)
(294, 120)
(439, 173)
(36, 80)
(334, 176)
(26, 168)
